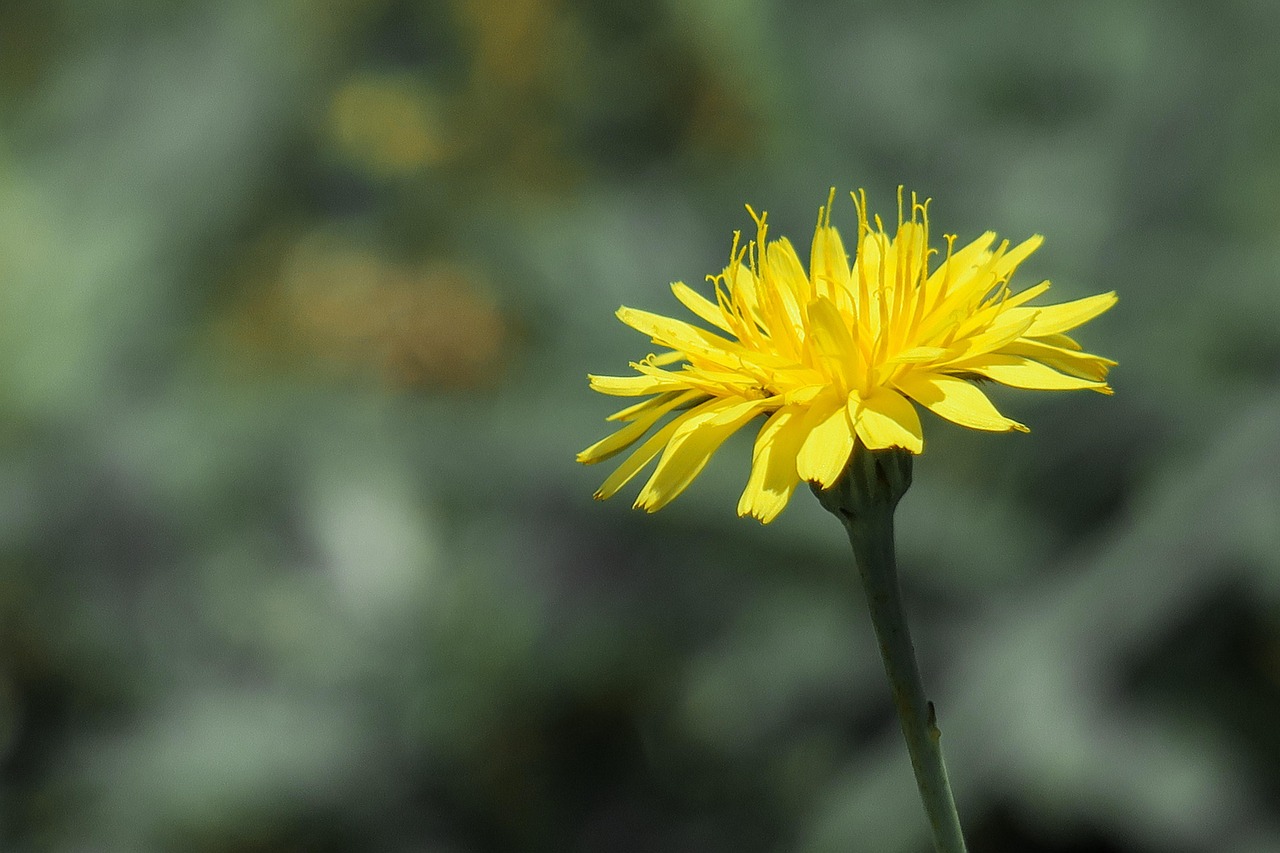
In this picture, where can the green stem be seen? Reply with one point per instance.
(864, 501)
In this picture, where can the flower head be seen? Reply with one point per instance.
(838, 355)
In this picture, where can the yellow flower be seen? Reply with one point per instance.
(836, 356)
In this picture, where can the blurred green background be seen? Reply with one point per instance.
(297, 301)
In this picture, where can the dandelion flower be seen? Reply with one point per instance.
(837, 356)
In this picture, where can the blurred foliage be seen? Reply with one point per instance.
(296, 303)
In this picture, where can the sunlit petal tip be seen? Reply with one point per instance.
(651, 500)
(764, 505)
(1029, 245)
(760, 514)
(1106, 301)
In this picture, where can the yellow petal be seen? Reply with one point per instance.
(971, 255)
(1009, 260)
(866, 270)
(785, 269)
(632, 412)
(804, 394)
(829, 265)
(641, 457)
(1070, 361)
(696, 438)
(887, 419)
(700, 305)
(783, 293)
(833, 339)
(622, 439)
(1025, 296)
(956, 400)
(918, 355)
(952, 270)
(1053, 319)
(827, 444)
(675, 334)
(1059, 341)
(773, 465)
(1019, 372)
(664, 358)
(634, 386)
(1007, 327)
(743, 286)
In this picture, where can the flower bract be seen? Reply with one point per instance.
(837, 355)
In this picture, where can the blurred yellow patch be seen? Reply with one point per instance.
(387, 125)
